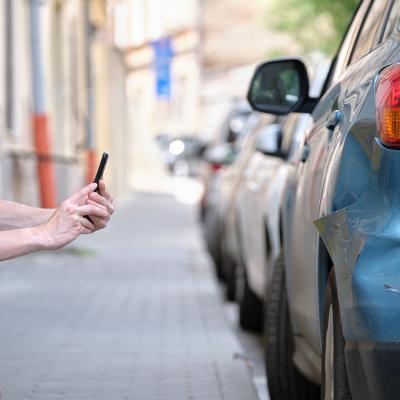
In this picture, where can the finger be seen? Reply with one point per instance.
(103, 192)
(86, 223)
(85, 231)
(98, 205)
(99, 223)
(91, 209)
(93, 203)
(80, 194)
(102, 188)
(101, 200)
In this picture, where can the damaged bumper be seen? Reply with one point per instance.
(363, 241)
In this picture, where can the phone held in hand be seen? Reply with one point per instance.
(99, 175)
(100, 170)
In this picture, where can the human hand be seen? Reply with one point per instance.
(104, 199)
(68, 221)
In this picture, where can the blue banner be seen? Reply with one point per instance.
(163, 55)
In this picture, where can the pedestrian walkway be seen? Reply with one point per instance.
(132, 312)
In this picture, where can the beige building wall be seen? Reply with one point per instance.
(110, 114)
(60, 30)
(145, 169)
(17, 166)
(67, 92)
(63, 36)
(135, 25)
(110, 121)
(63, 31)
(65, 88)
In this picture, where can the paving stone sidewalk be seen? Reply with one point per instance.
(132, 312)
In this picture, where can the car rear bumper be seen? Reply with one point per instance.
(373, 370)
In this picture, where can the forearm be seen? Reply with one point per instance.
(15, 215)
(18, 242)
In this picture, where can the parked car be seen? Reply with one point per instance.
(333, 305)
(264, 135)
(181, 154)
(218, 156)
(258, 204)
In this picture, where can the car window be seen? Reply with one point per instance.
(392, 20)
(367, 37)
(341, 60)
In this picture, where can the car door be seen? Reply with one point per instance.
(231, 175)
(302, 240)
(257, 174)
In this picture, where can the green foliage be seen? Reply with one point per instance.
(314, 24)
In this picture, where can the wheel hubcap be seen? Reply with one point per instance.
(329, 359)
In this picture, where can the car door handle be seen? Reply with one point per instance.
(306, 152)
(333, 120)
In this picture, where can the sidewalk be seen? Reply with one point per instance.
(130, 313)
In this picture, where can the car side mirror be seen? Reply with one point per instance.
(269, 140)
(280, 87)
(220, 155)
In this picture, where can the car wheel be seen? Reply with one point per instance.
(250, 307)
(217, 262)
(239, 276)
(213, 241)
(231, 283)
(335, 383)
(285, 382)
(229, 273)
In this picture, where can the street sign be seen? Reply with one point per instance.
(163, 55)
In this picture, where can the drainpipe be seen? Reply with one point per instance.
(91, 159)
(41, 136)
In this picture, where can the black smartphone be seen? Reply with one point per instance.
(99, 175)
(100, 170)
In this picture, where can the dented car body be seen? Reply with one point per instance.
(341, 211)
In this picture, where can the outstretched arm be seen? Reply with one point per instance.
(65, 224)
(18, 242)
(15, 215)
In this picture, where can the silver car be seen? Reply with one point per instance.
(257, 210)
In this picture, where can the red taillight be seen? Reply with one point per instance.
(215, 167)
(387, 102)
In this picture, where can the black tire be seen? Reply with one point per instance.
(230, 281)
(213, 238)
(341, 382)
(285, 382)
(217, 262)
(229, 273)
(250, 309)
(218, 268)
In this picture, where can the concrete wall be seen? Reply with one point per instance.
(15, 132)
(66, 94)
(64, 64)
